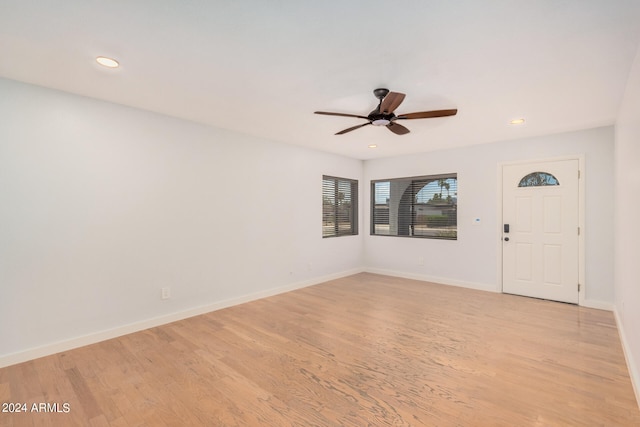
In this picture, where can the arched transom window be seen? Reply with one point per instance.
(538, 179)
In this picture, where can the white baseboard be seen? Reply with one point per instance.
(433, 279)
(600, 305)
(81, 341)
(634, 374)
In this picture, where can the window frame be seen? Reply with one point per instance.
(408, 220)
(336, 216)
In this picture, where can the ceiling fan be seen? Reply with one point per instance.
(384, 115)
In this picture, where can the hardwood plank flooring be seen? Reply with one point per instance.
(365, 350)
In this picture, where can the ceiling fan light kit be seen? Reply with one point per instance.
(384, 114)
(380, 122)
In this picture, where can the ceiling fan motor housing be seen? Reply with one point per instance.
(378, 119)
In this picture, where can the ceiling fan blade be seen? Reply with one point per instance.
(340, 114)
(428, 114)
(391, 102)
(352, 128)
(397, 129)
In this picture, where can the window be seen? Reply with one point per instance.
(339, 206)
(423, 206)
(538, 179)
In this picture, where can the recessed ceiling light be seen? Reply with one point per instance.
(373, 146)
(517, 121)
(107, 62)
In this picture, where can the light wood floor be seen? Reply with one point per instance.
(366, 350)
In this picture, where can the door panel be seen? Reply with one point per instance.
(523, 214)
(524, 261)
(552, 214)
(540, 251)
(552, 264)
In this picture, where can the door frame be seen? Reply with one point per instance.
(581, 219)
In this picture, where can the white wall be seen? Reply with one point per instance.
(102, 205)
(472, 260)
(627, 226)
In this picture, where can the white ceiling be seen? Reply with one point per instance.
(263, 67)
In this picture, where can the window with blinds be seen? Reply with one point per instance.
(423, 206)
(339, 206)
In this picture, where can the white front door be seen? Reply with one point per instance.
(540, 249)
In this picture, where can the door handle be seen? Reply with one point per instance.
(506, 239)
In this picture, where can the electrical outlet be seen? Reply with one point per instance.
(420, 260)
(166, 292)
